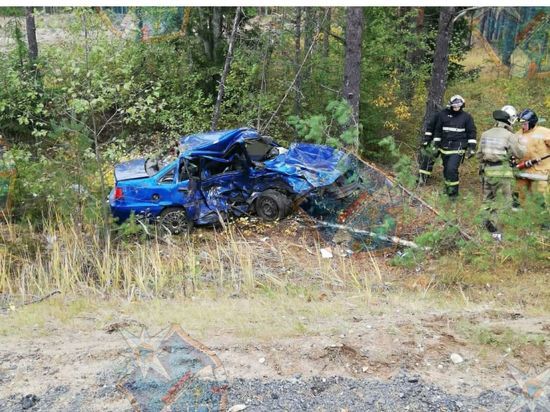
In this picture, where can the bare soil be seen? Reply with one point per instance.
(76, 367)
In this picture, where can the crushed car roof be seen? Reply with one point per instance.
(214, 143)
(305, 166)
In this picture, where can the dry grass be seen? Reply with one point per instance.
(249, 279)
(80, 262)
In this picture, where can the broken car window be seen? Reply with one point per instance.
(259, 151)
(168, 177)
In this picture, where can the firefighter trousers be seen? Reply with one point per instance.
(426, 163)
(451, 163)
(497, 198)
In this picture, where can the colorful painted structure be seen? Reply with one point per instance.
(519, 36)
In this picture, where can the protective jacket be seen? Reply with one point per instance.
(538, 145)
(496, 147)
(455, 130)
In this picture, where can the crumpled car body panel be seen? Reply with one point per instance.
(216, 175)
(307, 166)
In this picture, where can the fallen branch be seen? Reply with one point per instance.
(43, 298)
(393, 239)
(37, 300)
(416, 197)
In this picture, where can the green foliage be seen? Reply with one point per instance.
(58, 178)
(405, 171)
(409, 258)
(132, 229)
(335, 129)
(524, 236)
(12, 11)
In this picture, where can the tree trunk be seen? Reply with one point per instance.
(309, 24)
(326, 33)
(216, 31)
(226, 67)
(483, 23)
(417, 54)
(205, 32)
(471, 30)
(31, 36)
(297, 61)
(414, 56)
(438, 82)
(492, 25)
(352, 59)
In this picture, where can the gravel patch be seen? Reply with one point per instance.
(402, 393)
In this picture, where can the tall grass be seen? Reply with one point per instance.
(79, 260)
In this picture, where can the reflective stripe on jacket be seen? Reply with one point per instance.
(498, 145)
(454, 128)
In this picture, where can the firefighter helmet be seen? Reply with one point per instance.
(502, 116)
(512, 113)
(530, 117)
(457, 102)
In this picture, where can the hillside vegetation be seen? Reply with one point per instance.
(94, 98)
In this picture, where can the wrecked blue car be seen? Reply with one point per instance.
(220, 174)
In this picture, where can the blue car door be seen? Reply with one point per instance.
(157, 194)
(221, 184)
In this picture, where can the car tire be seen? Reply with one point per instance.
(175, 221)
(273, 205)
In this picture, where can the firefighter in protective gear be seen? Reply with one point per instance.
(535, 178)
(512, 112)
(455, 137)
(496, 148)
(428, 153)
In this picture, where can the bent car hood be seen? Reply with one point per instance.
(308, 166)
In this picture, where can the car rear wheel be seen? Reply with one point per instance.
(272, 205)
(174, 220)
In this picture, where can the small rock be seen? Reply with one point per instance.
(456, 358)
(261, 360)
(28, 401)
(237, 408)
(326, 253)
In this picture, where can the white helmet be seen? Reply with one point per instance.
(457, 101)
(512, 112)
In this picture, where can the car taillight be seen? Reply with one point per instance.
(118, 193)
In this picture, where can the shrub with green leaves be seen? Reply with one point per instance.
(334, 129)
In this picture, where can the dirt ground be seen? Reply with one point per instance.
(79, 362)
(69, 353)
